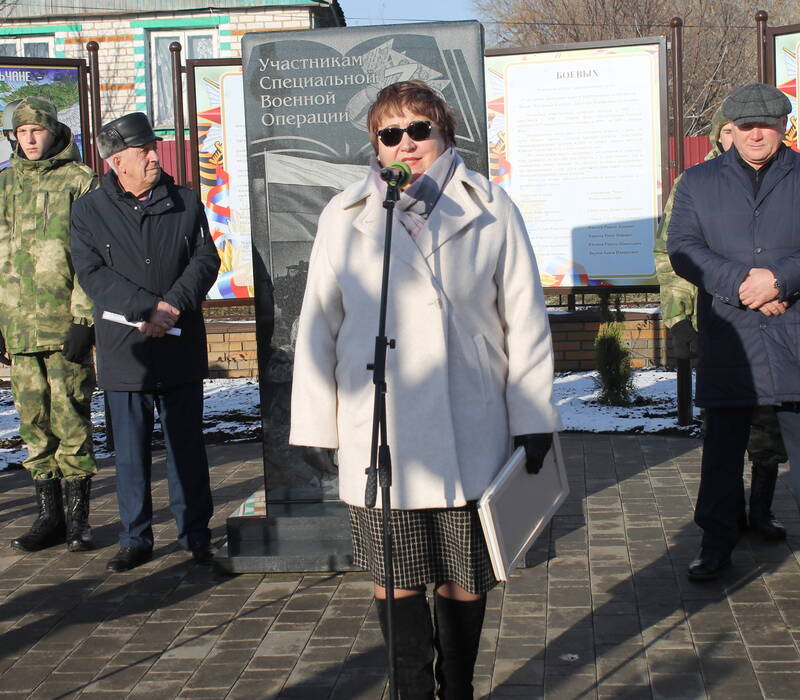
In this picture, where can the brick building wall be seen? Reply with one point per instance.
(232, 346)
(124, 54)
(574, 334)
(232, 349)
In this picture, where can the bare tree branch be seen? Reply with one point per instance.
(719, 38)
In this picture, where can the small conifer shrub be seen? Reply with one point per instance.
(613, 358)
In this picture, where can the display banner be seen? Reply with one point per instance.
(306, 96)
(786, 65)
(577, 136)
(57, 80)
(219, 151)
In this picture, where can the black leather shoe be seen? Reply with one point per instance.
(762, 490)
(203, 553)
(768, 527)
(709, 565)
(129, 558)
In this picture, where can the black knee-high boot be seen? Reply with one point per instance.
(458, 635)
(413, 645)
(79, 534)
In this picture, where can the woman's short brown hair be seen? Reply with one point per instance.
(412, 96)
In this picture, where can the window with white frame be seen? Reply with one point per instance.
(27, 47)
(195, 43)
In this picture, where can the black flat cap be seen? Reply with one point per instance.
(756, 103)
(132, 129)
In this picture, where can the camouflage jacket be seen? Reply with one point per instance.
(39, 292)
(678, 296)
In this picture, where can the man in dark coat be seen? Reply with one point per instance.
(142, 251)
(735, 234)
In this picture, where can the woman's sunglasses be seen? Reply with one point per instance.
(417, 131)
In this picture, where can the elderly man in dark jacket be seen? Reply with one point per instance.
(142, 251)
(735, 234)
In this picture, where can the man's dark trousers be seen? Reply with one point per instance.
(720, 500)
(180, 410)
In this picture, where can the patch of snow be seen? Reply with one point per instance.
(652, 310)
(230, 320)
(576, 393)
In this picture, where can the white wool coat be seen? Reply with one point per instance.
(473, 362)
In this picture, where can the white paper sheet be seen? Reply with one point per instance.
(119, 318)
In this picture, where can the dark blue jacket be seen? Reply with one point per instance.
(128, 255)
(717, 234)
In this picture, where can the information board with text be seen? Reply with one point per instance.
(577, 138)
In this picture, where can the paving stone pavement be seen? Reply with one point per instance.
(603, 611)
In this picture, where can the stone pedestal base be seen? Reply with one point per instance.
(296, 536)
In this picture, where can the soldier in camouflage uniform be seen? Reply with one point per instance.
(679, 313)
(46, 320)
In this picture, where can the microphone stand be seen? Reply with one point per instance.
(380, 465)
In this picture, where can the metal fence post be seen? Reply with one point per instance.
(177, 105)
(94, 89)
(761, 26)
(683, 367)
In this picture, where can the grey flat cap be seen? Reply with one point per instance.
(756, 103)
(133, 129)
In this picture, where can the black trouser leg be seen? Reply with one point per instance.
(180, 410)
(413, 645)
(790, 430)
(721, 493)
(132, 413)
(458, 636)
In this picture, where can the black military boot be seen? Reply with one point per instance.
(413, 634)
(458, 635)
(49, 528)
(762, 489)
(79, 534)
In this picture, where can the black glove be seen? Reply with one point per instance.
(3, 359)
(78, 342)
(536, 445)
(684, 340)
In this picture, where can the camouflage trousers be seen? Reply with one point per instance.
(52, 396)
(765, 446)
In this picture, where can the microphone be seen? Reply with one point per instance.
(396, 174)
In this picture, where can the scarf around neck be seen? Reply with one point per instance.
(418, 200)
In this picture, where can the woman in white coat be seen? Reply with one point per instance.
(473, 366)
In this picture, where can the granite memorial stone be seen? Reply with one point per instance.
(306, 99)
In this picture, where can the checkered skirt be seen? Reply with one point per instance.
(429, 546)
